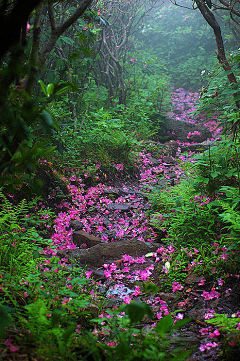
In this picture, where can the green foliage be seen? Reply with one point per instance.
(231, 219)
(229, 327)
(131, 343)
(164, 200)
(218, 166)
(192, 223)
(19, 251)
(137, 310)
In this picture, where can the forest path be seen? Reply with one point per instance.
(108, 227)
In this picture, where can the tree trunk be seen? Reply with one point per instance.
(211, 20)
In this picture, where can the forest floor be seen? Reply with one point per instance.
(108, 226)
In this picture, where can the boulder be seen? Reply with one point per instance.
(199, 147)
(109, 252)
(179, 130)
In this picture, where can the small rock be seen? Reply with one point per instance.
(168, 160)
(81, 237)
(119, 207)
(98, 274)
(158, 171)
(114, 191)
(76, 225)
(92, 309)
(192, 278)
(155, 161)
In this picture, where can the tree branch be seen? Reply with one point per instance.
(60, 30)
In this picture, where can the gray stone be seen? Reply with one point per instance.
(119, 207)
(81, 237)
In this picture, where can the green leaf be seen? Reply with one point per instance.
(43, 87)
(181, 323)
(50, 89)
(237, 97)
(35, 254)
(69, 331)
(48, 118)
(137, 310)
(5, 319)
(164, 325)
(182, 356)
(151, 287)
(214, 174)
(30, 167)
(63, 90)
(56, 315)
(67, 40)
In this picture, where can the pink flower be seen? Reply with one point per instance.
(176, 286)
(208, 315)
(107, 274)
(13, 348)
(179, 316)
(8, 341)
(137, 291)
(210, 295)
(196, 132)
(127, 299)
(144, 274)
(205, 331)
(207, 346)
(88, 274)
(214, 334)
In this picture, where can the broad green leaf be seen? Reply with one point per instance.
(69, 331)
(164, 325)
(151, 287)
(137, 310)
(43, 87)
(47, 118)
(67, 40)
(237, 97)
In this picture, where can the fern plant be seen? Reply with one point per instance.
(19, 246)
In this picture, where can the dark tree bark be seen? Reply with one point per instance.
(12, 20)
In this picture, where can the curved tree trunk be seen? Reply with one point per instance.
(211, 20)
